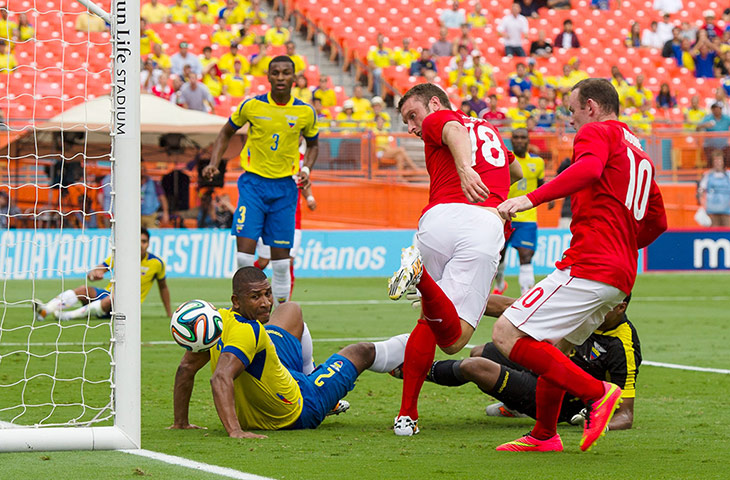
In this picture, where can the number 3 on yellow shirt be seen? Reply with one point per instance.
(276, 142)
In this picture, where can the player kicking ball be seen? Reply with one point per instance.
(617, 209)
(460, 234)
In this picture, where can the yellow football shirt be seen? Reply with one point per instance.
(153, 268)
(226, 61)
(236, 85)
(146, 39)
(272, 146)
(533, 169)
(163, 61)
(266, 395)
(153, 14)
(277, 37)
(222, 38)
(180, 14)
(327, 97)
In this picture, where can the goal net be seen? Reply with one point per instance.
(69, 157)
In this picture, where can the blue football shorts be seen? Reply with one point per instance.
(96, 293)
(524, 235)
(266, 209)
(321, 389)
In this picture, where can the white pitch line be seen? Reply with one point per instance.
(203, 467)
(685, 367)
(716, 298)
(357, 339)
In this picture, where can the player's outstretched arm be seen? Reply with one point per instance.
(228, 368)
(456, 137)
(623, 419)
(310, 158)
(190, 363)
(219, 146)
(515, 172)
(165, 296)
(510, 207)
(98, 272)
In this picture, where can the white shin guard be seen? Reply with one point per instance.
(389, 353)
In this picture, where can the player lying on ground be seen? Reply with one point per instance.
(613, 351)
(257, 380)
(460, 234)
(98, 301)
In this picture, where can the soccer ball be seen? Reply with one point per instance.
(196, 325)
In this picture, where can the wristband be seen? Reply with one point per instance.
(310, 198)
(304, 169)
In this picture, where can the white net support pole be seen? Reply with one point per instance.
(126, 154)
(125, 433)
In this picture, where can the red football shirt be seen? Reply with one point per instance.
(490, 159)
(617, 205)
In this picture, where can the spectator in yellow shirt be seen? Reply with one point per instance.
(405, 55)
(362, 105)
(325, 94)
(620, 84)
(236, 84)
(212, 79)
(7, 27)
(161, 60)
(204, 16)
(255, 13)
(245, 36)
(301, 89)
(387, 151)
(300, 64)
(639, 94)
(7, 60)
(260, 61)
(324, 117)
(147, 37)
(234, 12)
(519, 114)
(346, 119)
(155, 12)
(180, 13)
(379, 57)
(694, 115)
(478, 18)
(576, 74)
(277, 35)
(225, 62)
(25, 30)
(222, 36)
(207, 59)
(378, 111)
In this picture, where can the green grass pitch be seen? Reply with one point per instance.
(680, 428)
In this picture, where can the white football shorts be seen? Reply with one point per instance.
(561, 306)
(460, 247)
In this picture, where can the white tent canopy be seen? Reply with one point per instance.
(157, 116)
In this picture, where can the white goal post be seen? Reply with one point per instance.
(125, 433)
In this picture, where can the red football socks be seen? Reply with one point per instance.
(419, 354)
(549, 400)
(439, 311)
(549, 362)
